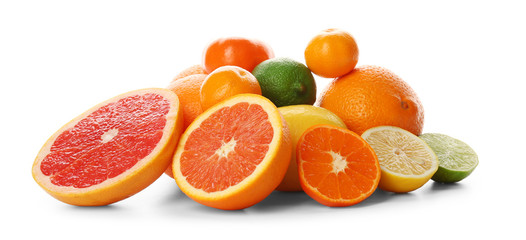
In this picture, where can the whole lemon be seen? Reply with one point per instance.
(299, 118)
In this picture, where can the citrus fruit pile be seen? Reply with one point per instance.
(244, 123)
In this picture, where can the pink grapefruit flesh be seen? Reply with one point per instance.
(113, 150)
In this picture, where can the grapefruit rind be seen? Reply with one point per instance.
(266, 176)
(134, 179)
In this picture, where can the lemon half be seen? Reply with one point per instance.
(406, 161)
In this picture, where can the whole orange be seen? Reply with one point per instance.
(331, 53)
(187, 89)
(236, 51)
(194, 69)
(371, 96)
(225, 82)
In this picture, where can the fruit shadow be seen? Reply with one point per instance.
(180, 204)
(94, 209)
(441, 187)
(177, 203)
(380, 197)
(280, 201)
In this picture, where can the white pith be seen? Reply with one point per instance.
(226, 148)
(109, 135)
(339, 163)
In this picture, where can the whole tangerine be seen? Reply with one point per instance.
(225, 82)
(237, 51)
(332, 53)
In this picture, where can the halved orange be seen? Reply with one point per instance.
(234, 154)
(113, 150)
(337, 168)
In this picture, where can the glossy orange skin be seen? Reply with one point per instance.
(236, 51)
(332, 53)
(194, 69)
(372, 96)
(225, 82)
(187, 89)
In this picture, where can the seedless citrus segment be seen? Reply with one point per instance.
(299, 118)
(336, 167)
(234, 154)
(111, 151)
(236, 146)
(406, 161)
(457, 160)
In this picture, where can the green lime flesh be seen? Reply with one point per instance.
(456, 159)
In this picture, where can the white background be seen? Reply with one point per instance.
(465, 60)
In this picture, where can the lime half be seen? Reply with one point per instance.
(456, 159)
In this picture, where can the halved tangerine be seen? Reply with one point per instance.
(337, 168)
(113, 150)
(234, 154)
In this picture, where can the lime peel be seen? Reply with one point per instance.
(457, 160)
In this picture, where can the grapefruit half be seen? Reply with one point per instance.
(113, 150)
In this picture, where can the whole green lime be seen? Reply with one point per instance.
(286, 82)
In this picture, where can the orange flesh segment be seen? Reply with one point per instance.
(227, 147)
(107, 142)
(355, 173)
